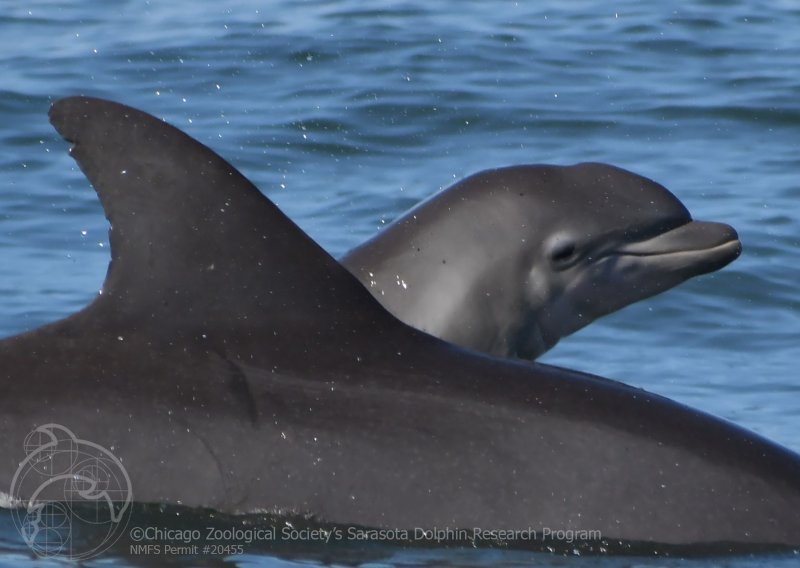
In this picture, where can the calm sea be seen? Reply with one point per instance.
(347, 113)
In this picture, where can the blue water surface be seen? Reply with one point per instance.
(347, 113)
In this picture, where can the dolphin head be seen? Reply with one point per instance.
(613, 238)
(508, 261)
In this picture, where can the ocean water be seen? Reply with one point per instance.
(347, 113)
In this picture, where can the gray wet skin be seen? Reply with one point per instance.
(509, 261)
(231, 363)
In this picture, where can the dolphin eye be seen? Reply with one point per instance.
(562, 252)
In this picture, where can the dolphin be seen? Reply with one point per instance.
(231, 363)
(509, 261)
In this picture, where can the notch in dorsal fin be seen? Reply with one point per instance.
(192, 240)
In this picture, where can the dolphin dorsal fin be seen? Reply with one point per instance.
(192, 240)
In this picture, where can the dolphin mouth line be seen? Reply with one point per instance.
(692, 238)
(724, 247)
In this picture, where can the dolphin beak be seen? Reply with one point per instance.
(698, 246)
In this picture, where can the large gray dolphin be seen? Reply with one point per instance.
(509, 261)
(231, 363)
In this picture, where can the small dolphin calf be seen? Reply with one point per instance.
(231, 363)
(509, 261)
